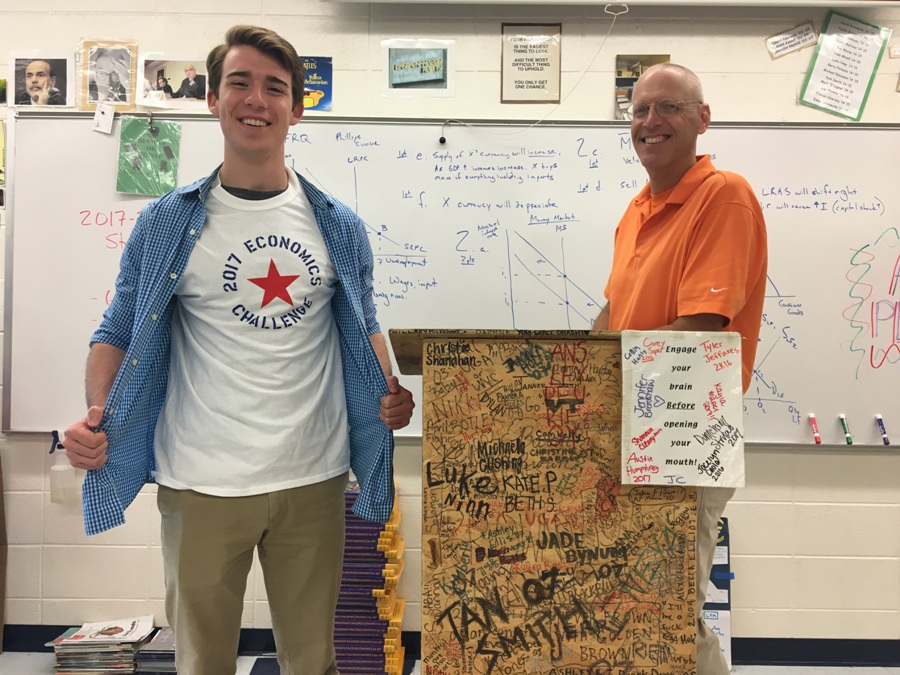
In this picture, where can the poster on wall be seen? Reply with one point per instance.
(418, 68)
(317, 90)
(844, 65)
(530, 66)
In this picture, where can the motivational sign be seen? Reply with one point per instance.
(530, 64)
(682, 421)
(536, 559)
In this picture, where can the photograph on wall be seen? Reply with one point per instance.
(2, 91)
(170, 81)
(108, 70)
(418, 68)
(530, 64)
(40, 79)
(629, 67)
(318, 86)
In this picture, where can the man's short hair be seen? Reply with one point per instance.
(269, 43)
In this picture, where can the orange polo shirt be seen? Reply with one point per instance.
(699, 248)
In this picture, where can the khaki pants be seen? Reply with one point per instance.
(207, 545)
(711, 504)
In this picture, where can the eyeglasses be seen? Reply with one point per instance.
(662, 108)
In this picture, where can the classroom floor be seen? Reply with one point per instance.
(26, 663)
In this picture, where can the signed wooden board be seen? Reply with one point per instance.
(536, 560)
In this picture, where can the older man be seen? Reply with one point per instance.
(690, 254)
(40, 86)
(192, 86)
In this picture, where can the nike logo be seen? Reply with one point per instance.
(717, 290)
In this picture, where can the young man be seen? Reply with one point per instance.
(690, 254)
(241, 367)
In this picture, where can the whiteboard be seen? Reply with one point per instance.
(501, 226)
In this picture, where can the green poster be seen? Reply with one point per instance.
(148, 156)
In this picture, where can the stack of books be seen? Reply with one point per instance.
(103, 647)
(157, 655)
(369, 613)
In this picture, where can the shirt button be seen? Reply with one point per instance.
(173, 275)
(153, 317)
(134, 362)
(193, 232)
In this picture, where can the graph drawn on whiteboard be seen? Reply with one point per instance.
(778, 344)
(542, 292)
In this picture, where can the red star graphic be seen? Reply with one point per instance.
(275, 285)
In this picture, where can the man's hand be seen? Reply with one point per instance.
(43, 96)
(396, 407)
(86, 448)
(602, 320)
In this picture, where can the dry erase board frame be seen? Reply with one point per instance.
(503, 226)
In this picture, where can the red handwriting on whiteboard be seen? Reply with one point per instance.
(118, 218)
(119, 221)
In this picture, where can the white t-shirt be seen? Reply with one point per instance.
(255, 399)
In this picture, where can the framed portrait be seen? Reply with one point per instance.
(171, 81)
(108, 74)
(42, 79)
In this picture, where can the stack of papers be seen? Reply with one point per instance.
(158, 655)
(367, 638)
(101, 648)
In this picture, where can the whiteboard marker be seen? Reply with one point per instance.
(815, 428)
(846, 429)
(884, 436)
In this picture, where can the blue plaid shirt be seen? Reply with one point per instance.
(138, 322)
